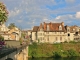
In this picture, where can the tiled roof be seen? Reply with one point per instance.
(72, 28)
(52, 27)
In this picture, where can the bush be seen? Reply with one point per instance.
(65, 42)
(68, 53)
(72, 53)
(53, 50)
(1, 38)
(72, 42)
(57, 54)
(33, 53)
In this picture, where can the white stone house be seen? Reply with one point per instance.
(49, 33)
(4, 32)
(54, 33)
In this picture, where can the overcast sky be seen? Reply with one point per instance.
(28, 13)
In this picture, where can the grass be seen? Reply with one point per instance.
(54, 50)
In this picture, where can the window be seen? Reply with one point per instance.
(73, 29)
(76, 33)
(68, 29)
(41, 29)
(47, 32)
(60, 27)
(68, 34)
(40, 34)
(56, 38)
(60, 32)
(35, 34)
(43, 38)
(43, 33)
(48, 38)
(60, 38)
(55, 32)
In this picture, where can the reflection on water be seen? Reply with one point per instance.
(71, 58)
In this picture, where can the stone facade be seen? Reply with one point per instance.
(10, 34)
(53, 33)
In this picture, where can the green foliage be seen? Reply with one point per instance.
(65, 42)
(72, 53)
(34, 44)
(1, 38)
(68, 53)
(23, 35)
(72, 42)
(33, 53)
(38, 41)
(3, 13)
(11, 26)
(57, 54)
(21, 41)
(54, 50)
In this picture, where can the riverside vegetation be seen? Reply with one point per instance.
(71, 49)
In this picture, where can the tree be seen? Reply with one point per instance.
(11, 26)
(3, 13)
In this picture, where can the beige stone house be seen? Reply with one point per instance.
(49, 33)
(72, 33)
(10, 34)
(5, 35)
(54, 33)
(15, 34)
(4, 32)
(3, 27)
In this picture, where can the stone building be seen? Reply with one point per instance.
(53, 33)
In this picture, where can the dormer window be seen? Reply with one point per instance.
(47, 27)
(60, 27)
(41, 29)
(68, 29)
(73, 29)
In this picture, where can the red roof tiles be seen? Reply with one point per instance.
(52, 26)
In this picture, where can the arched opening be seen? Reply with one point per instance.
(76, 33)
(68, 34)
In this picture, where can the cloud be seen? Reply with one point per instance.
(19, 21)
(77, 15)
(64, 18)
(32, 12)
(70, 1)
(14, 12)
(58, 17)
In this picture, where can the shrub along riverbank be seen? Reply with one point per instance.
(54, 50)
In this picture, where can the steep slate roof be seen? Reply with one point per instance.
(35, 28)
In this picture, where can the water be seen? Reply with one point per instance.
(71, 58)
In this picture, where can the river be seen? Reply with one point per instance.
(71, 58)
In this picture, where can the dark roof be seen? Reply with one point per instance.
(35, 28)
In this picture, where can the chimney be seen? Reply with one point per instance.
(44, 25)
(44, 22)
(62, 23)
